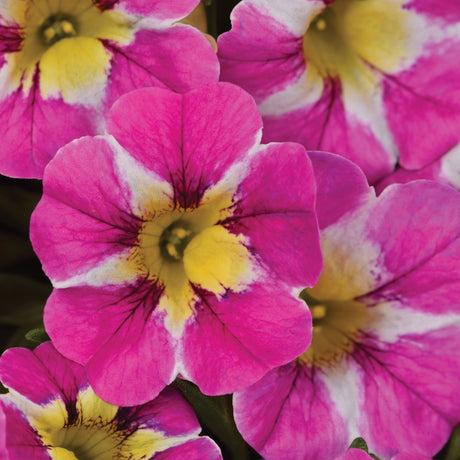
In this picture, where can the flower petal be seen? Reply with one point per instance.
(276, 199)
(21, 439)
(427, 94)
(162, 58)
(29, 141)
(341, 185)
(327, 124)
(84, 196)
(52, 375)
(160, 10)
(215, 138)
(235, 340)
(410, 395)
(202, 448)
(289, 414)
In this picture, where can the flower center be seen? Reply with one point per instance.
(349, 37)
(85, 443)
(175, 239)
(57, 27)
(336, 327)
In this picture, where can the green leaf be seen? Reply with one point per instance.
(359, 443)
(37, 335)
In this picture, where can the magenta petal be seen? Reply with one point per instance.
(261, 63)
(41, 375)
(139, 356)
(354, 454)
(427, 224)
(410, 397)
(162, 10)
(447, 11)
(168, 413)
(405, 456)
(202, 448)
(237, 339)
(428, 95)
(22, 442)
(120, 340)
(82, 195)
(341, 187)
(325, 125)
(163, 58)
(276, 199)
(29, 139)
(221, 123)
(289, 414)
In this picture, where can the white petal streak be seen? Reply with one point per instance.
(145, 188)
(294, 14)
(390, 321)
(303, 92)
(344, 384)
(114, 270)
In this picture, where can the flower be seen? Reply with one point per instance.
(371, 80)
(174, 245)
(384, 362)
(51, 412)
(64, 62)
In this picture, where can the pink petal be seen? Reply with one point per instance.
(277, 199)
(235, 340)
(84, 215)
(423, 105)
(32, 130)
(342, 187)
(410, 397)
(202, 448)
(221, 123)
(289, 414)
(164, 58)
(326, 125)
(52, 375)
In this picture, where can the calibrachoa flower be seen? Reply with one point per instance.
(53, 413)
(371, 80)
(445, 170)
(64, 62)
(175, 243)
(384, 362)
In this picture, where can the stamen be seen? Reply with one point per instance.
(57, 27)
(321, 24)
(174, 240)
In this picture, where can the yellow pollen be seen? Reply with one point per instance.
(172, 251)
(321, 24)
(181, 233)
(49, 33)
(318, 311)
(68, 28)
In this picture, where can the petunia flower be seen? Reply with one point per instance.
(371, 80)
(52, 412)
(384, 362)
(174, 244)
(445, 170)
(64, 62)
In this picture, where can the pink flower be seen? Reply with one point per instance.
(175, 243)
(373, 81)
(52, 412)
(64, 62)
(384, 362)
